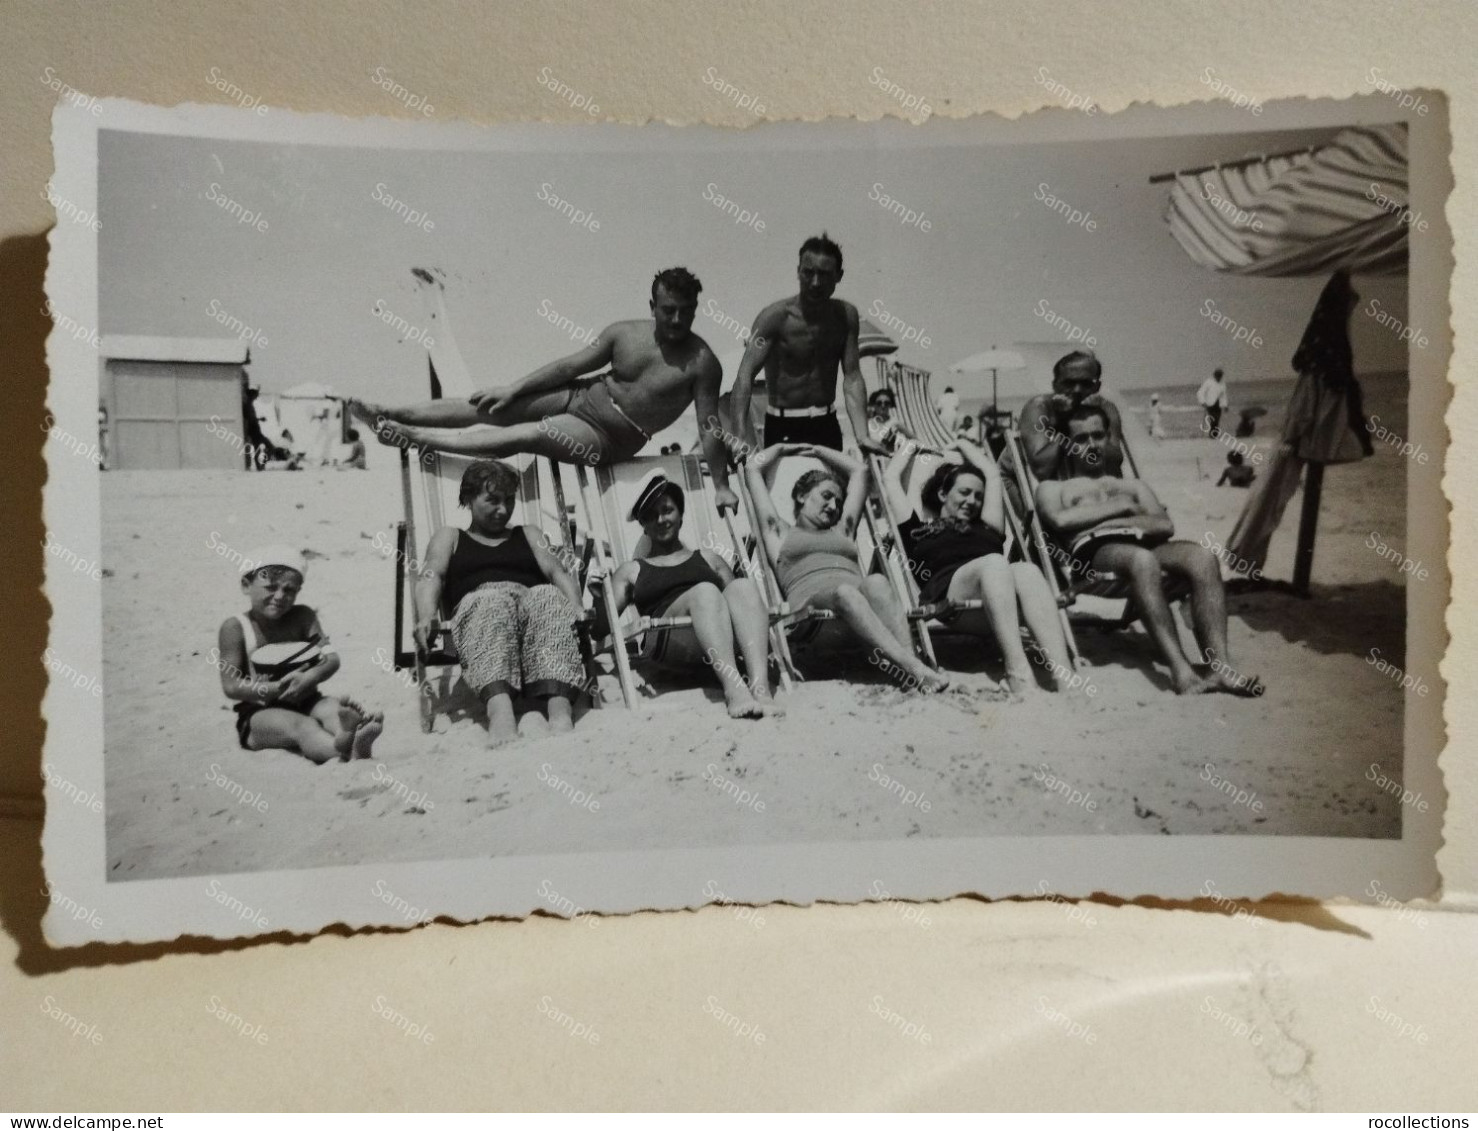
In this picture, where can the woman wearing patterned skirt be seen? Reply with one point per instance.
(511, 605)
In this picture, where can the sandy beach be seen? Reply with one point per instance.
(855, 759)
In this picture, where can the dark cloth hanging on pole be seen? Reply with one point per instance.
(1325, 424)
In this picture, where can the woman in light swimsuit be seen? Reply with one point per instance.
(670, 580)
(954, 543)
(816, 558)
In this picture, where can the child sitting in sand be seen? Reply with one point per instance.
(272, 659)
(1236, 472)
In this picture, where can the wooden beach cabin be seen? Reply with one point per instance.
(173, 402)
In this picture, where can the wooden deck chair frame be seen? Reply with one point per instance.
(439, 472)
(606, 523)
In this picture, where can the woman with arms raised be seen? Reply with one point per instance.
(816, 557)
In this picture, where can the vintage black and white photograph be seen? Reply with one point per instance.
(459, 521)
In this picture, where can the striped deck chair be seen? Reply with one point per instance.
(932, 617)
(429, 484)
(910, 389)
(796, 626)
(1054, 560)
(429, 501)
(606, 496)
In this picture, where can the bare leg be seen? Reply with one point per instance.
(880, 596)
(453, 412)
(991, 580)
(852, 605)
(715, 631)
(564, 438)
(1208, 611)
(1142, 569)
(277, 728)
(502, 723)
(1039, 611)
(561, 720)
(752, 633)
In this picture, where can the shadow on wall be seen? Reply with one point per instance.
(24, 327)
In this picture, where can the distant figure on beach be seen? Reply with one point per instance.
(802, 342)
(1076, 379)
(658, 368)
(356, 452)
(510, 603)
(1212, 396)
(1246, 423)
(965, 429)
(954, 541)
(948, 407)
(884, 430)
(1118, 526)
(272, 659)
(1236, 473)
(670, 580)
(1157, 426)
(816, 558)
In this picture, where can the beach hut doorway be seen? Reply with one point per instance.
(173, 403)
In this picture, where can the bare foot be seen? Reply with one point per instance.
(1022, 685)
(501, 736)
(1233, 683)
(366, 733)
(1192, 684)
(533, 725)
(929, 681)
(561, 717)
(743, 705)
(351, 714)
(768, 705)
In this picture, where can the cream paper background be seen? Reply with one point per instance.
(985, 981)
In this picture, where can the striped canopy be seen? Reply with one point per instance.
(872, 342)
(1309, 213)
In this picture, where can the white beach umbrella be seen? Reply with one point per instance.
(993, 361)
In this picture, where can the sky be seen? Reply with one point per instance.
(324, 273)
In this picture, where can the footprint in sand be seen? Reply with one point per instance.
(362, 792)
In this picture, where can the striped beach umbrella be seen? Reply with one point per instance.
(872, 342)
(1343, 204)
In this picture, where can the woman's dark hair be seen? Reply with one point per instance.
(809, 482)
(879, 394)
(942, 482)
(646, 508)
(483, 474)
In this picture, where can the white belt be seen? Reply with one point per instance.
(809, 410)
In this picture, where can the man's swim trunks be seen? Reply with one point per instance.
(803, 426)
(618, 437)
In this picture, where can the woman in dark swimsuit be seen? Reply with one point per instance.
(670, 580)
(512, 607)
(954, 539)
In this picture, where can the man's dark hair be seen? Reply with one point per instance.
(483, 474)
(1216, 373)
(353, 434)
(1234, 458)
(822, 245)
(678, 282)
(1084, 411)
(1074, 359)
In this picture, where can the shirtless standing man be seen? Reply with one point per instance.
(800, 342)
(1117, 525)
(658, 367)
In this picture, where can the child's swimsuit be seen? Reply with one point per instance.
(245, 711)
(619, 436)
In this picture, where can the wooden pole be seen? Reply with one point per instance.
(1308, 526)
